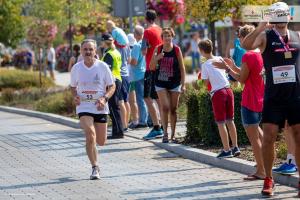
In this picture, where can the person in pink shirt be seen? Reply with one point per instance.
(250, 74)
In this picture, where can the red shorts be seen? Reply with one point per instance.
(223, 105)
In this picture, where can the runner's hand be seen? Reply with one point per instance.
(262, 26)
(100, 103)
(77, 100)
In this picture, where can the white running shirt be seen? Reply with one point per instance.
(91, 83)
(217, 77)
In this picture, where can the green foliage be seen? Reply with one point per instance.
(281, 149)
(188, 64)
(201, 126)
(214, 10)
(58, 103)
(11, 22)
(12, 97)
(18, 79)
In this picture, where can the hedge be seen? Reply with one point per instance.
(58, 103)
(201, 127)
(18, 79)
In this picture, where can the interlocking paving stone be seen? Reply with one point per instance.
(43, 160)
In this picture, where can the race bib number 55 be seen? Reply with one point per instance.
(284, 74)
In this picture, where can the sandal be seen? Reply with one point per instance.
(253, 177)
(165, 138)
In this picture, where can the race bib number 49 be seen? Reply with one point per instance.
(284, 74)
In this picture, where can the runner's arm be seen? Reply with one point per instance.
(257, 38)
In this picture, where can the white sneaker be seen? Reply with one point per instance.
(95, 173)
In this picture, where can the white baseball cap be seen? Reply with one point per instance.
(281, 12)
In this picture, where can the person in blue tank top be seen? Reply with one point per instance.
(238, 53)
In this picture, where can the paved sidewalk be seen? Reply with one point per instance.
(43, 160)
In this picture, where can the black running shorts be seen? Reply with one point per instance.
(277, 113)
(98, 118)
(149, 85)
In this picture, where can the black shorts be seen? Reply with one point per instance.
(149, 85)
(98, 118)
(277, 113)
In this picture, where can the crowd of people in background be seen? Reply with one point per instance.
(145, 76)
(149, 76)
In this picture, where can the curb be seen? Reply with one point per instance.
(233, 164)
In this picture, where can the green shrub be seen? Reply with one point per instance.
(19, 79)
(281, 149)
(58, 103)
(7, 95)
(188, 64)
(11, 97)
(201, 126)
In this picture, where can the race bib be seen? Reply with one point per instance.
(284, 74)
(89, 96)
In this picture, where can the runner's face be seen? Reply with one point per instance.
(88, 50)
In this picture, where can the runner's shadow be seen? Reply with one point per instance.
(32, 185)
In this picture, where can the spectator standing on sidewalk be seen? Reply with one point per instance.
(92, 85)
(280, 51)
(152, 38)
(250, 74)
(137, 73)
(112, 57)
(122, 44)
(51, 61)
(222, 99)
(169, 79)
(236, 52)
(194, 50)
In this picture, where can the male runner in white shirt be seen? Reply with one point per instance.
(92, 85)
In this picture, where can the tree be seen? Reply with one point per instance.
(214, 10)
(11, 22)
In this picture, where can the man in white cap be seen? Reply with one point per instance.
(280, 51)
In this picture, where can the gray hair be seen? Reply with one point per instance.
(139, 30)
(87, 41)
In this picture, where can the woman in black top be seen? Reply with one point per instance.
(169, 79)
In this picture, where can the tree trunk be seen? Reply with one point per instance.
(213, 35)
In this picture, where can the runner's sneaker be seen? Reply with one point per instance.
(95, 173)
(281, 167)
(225, 154)
(290, 169)
(236, 151)
(268, 189)
(154, 134)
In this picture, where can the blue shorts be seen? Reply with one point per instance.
(177, 89)
(250, 117)
(51, 65)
